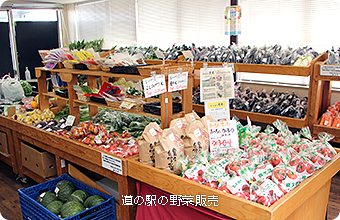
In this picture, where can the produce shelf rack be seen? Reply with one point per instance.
(300, 203)
(265, 69)
(321, 97)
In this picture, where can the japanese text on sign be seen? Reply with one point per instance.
(216, 83)
(154, 85)
(223, 135)
(217, 109)
(173, 200)
(112, 163)
(178, 81)
(330, 70)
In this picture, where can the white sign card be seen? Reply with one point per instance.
(216, 83)
(154, 85)
(329, 70)
(188, 54)
(218, 109)
(223, 135)
(177, 81)
(112, 163)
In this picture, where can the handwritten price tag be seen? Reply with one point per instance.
(154, 85)
(178, 81)
(223, 135)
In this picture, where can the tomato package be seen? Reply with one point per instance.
(78, 132)
(95, 128)
(292, 179)
(238, 186)
(265, 192)
(305, 168)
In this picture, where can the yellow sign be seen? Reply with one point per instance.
(214, 105)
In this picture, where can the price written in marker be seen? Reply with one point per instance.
(154, 85)
(223, 135)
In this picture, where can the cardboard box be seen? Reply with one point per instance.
(3, 143)
(38, 161)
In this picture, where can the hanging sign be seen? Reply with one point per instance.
(188, 54)
(223, 135)
(232, 16)
(218, 109)
(177, 81)
(216, 83)
(154, 85)
(329, 70)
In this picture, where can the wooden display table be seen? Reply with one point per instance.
(10, 158)
(264, 69)
(72, 151)
(321, 98)
(307, 201)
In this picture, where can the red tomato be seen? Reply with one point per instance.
(225, 189)
(245, 162)
(265, 200)
(200, 172)
(310, 168)
(276, 160)
(134, 150)
(212, 184)
(234, 166)
(317, 159)
(328, 153)
(292, 175)
(197, 178)
(279, 174)
(294, 160)
(125, 147)
(241, 194)
(301, 167)
(246, 190)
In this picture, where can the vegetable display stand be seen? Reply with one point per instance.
(7, 154)
(33, 210)
(100, 162)
(321, 95)
(70, 76)
(300, 203)
(270, 69)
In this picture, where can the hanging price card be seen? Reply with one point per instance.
(218, 109)
(154, 85)
(223, 135)
(178, 81)
(329, 70)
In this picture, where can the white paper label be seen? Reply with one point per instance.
(49, 129)
(70, 120)
(192, 117)
(62, 163)
(153, 132)
(160, 54)
(218, 109)
(328, 70)
(63, 126)
(172, 137)
(42, 195)
(179, 124)
(56, 190)
(154, 85)
(177, 81)
(112, 163)
(197, 133)
(188, 54)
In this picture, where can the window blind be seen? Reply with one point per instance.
(114, 21)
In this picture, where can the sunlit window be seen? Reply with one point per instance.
(34, 15)
(3, 16)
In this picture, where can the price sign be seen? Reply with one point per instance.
(112, 163)
(218, 109)
(330, 70)
(177, 81)
(188, 54)
(160, 54)
(223, 135)
(154, 85)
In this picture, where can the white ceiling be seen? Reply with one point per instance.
(35, 3)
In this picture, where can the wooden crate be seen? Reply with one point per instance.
(329, 130)
(164, 69)
(298, 204)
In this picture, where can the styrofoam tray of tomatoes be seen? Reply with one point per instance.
(269, 166)
(96, 135)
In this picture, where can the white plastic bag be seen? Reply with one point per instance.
(11, 89)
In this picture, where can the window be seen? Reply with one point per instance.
(34, 15)
(3, 16)
(115, 21)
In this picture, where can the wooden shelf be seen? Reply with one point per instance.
(78, 102)
(53, 95)
(297, 204)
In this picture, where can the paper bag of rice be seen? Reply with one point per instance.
(197, 139)
(169, 150)
(180, 125)
(206, 119)
(191, 117)
(147, 143)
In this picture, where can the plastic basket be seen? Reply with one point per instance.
(134, 69)
(33, 210)
(155, 108)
